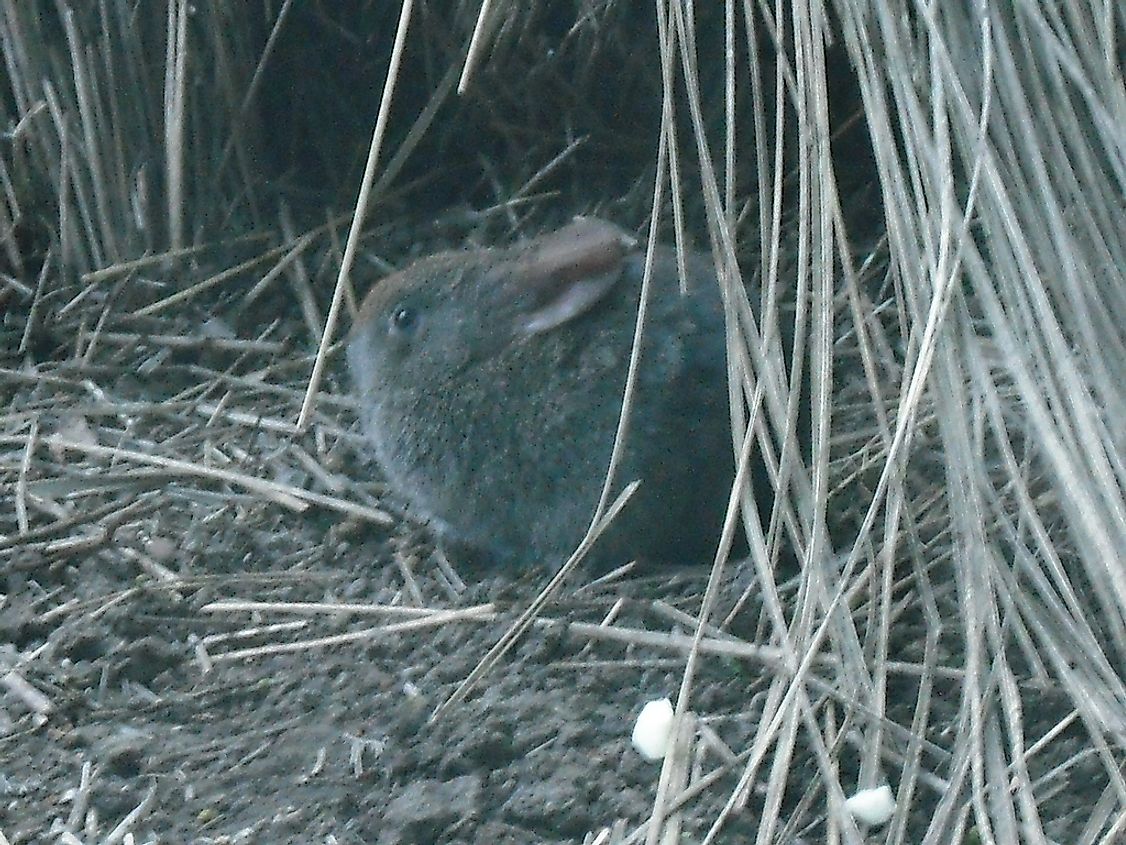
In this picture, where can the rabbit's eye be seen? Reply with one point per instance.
(403, 318)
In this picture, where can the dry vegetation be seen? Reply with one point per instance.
(939, 187)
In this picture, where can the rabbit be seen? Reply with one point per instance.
(490, 383)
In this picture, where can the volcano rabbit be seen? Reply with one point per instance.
(490, 383)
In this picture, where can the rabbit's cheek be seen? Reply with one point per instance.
(363, 362)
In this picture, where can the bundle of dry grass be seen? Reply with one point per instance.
(931, 196)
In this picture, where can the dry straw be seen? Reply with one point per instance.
(959, 517)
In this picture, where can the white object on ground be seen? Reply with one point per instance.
(872, 806)
(652, 729)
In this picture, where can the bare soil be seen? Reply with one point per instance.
(334, 741)
(128, 709)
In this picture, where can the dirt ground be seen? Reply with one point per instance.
(331, 742)
(124, 712)
(132, 707)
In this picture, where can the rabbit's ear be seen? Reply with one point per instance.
(565, 274)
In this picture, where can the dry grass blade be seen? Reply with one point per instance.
(528, 616)
(358, 216)
(330, 608)
(915, 217)
(430, 620)
(476, 44)
(124, 268)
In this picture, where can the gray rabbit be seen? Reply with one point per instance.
(491, 382)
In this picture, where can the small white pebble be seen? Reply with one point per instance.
(872, 806)
(652, 728)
